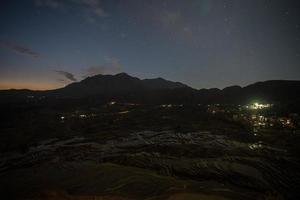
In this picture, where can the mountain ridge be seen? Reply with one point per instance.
(124, 87)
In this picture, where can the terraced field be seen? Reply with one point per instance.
(152, 165)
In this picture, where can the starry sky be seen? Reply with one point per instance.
(47, 44)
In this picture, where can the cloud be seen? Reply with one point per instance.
(21, 50)
(69, 76)
(61, 80)
(112, 65)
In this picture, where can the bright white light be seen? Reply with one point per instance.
(258, 106)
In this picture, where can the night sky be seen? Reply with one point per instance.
(204, 43)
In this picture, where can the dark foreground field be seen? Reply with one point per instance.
(144, 152)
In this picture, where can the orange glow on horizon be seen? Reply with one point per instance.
(29, 85)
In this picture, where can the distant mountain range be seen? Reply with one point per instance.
(125, 88)
(116, 84)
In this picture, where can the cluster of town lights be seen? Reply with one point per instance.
(259, 106)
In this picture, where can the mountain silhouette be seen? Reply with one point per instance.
(125, 88)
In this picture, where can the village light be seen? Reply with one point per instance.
(258, 106)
